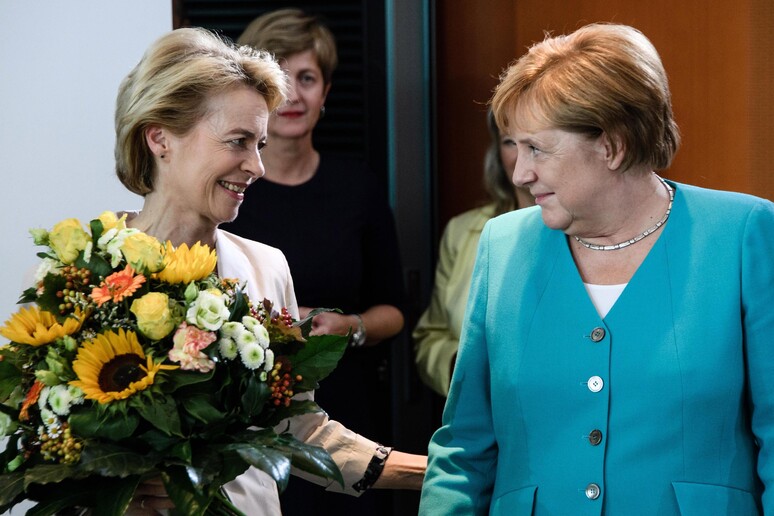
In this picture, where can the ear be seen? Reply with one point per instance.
(156, 139)
(326, 89)
(614, 150)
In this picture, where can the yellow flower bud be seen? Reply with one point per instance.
(68, 239)
(143, 252)
(155, 320)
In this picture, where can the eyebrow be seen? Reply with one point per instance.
(245, 132)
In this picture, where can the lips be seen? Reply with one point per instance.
(539, 198)
(234, 187)
(291, 114)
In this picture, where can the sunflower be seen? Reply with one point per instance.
(184, 264)
(113, 366)
(36, 327)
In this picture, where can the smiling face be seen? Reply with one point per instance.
(571, 175)
(299, 116)
(205, 172)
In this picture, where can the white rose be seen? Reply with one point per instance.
(208, 311)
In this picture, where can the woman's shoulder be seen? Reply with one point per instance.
(471, 220)
(229, 241)
(721, 207)
(720, 199)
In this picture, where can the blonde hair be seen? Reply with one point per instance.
(285, 32)
(602, 78)
(170, 87)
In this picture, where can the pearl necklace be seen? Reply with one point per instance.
(634, 240)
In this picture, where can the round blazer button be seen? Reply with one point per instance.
(595, 437)
(597, 334)
(595, 384)
(592, 491)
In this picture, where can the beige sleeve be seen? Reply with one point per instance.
(350, 451)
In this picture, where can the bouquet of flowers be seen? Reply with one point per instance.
(133, 360)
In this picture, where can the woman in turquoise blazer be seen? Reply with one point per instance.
(601, 374)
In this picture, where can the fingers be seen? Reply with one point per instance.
(151, 488)
(148, 505)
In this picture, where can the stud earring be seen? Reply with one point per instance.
(322, 111)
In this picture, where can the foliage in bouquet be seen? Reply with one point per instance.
(134, 360)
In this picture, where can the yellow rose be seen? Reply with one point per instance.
(68, 239)
(143, 252)
(110, 221)
(155, 320)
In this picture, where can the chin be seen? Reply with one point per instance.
(554, 223)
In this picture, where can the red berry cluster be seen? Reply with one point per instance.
(76, 285)
(281, 383)
(284, 317)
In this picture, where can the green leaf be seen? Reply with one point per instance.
(48, 301)
(96, 230)
(119, 498)
(239, 308)
(217, 465)
(306, 323)
(29, 295)
(110, 460)
(317, 358)
(267, 459)
(52, 506)
(10, 454)
(87, 492)
(254, 397)
(51, 474)
(87, 423)
(187, 498)
(296, 408)
(312, 459)
(180, 378)
(161, 413)
(99, 266)
(158, 440)
(182, 451)
(10, 378)
(11, 486)
(202, 409)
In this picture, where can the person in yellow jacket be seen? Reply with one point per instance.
(437, 333)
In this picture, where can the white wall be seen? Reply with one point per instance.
(60, 66)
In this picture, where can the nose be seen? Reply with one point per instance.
(523, 173)
(253, 164)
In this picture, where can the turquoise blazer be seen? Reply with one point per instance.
(665, 406)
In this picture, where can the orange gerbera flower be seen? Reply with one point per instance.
(117, 286)
(30, 399)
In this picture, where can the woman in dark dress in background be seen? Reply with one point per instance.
(336, 229)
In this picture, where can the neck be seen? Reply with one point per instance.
(290, 161)
(642, 213)
(166, 223)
